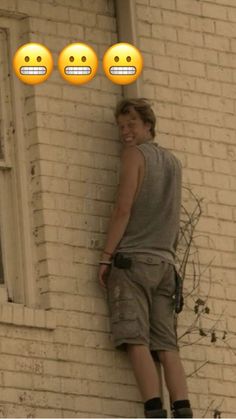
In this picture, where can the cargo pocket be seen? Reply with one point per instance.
(125, 325)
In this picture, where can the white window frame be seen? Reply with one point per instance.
(15, 214)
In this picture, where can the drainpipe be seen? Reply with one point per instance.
(126, 25)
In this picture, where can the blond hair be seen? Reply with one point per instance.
(140, 105)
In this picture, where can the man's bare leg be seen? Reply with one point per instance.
(145, 371)
(174, 375)
(176, 383)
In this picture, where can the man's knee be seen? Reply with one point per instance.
(165, 355)
(135, 347)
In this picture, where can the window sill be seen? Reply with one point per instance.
(20, 315)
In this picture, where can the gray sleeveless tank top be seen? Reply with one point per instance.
(153, 227)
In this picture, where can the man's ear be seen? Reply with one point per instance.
(148, 125)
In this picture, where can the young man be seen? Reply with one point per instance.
(138, 263)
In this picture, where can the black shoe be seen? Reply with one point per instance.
(183, 412)
(156, 413)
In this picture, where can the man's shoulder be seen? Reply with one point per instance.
(132, 152)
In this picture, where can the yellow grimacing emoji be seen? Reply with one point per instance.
(33, 63)
(122, 63)
(77, 63)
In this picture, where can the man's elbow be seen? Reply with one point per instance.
(121, 211)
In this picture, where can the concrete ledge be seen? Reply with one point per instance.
(19, 315)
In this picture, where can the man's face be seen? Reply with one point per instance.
(133, 131)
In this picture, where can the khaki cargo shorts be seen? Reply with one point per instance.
(140, 300)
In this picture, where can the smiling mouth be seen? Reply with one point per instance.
(33, 70)
(122, 70)
(77, 71)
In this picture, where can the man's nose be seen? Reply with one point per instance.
(126, 131)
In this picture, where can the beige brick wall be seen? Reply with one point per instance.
(190, 78)
(60, 362)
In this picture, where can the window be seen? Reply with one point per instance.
(16, 264)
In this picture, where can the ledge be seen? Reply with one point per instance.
(20, 315)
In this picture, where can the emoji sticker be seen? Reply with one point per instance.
(33, 63)
(77, 63)
(122, 63)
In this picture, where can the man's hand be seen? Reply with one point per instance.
(103, 273)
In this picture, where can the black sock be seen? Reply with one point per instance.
(178, 404)
(153, 404)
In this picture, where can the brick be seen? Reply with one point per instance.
(214, 149)
(164, 32)
(98, 6)
(210, 371)
(218, 181)
(171, 127)
(77, 31)
(204, 163)
(202, 24)
(97, 35)
(163, 4)
(148, 14)
(232, 182)
(229, 260)
(43, 26)
(196, 130)
(221, 166)
(167, 94)
(220, 211)
(166, 63)
(175, 19)
(221, 104)
(8, 5)
(181, 82)
(219, 73)
(144, 29)
(18, 314)
(210, 117)
(6, 313)
(184, 113)
(178, 50)
(205, 55)
(50, 320)
(226, 227)
(89, 404)
(193, 8)
(51, 121)
(31, 8)
(106, 23)
(41, 382)
(213, 11)
(190, 38)
(218, 43)
(219, 388)
(155, 77)
(54, 12)
(222, 135)
(20, 380)
(152, 45)
(231, 12)
(192, 68)
(207, 86)
(225, 29)
(193, 99)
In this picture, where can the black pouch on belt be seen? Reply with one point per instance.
(179, 299)
(122, 262)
